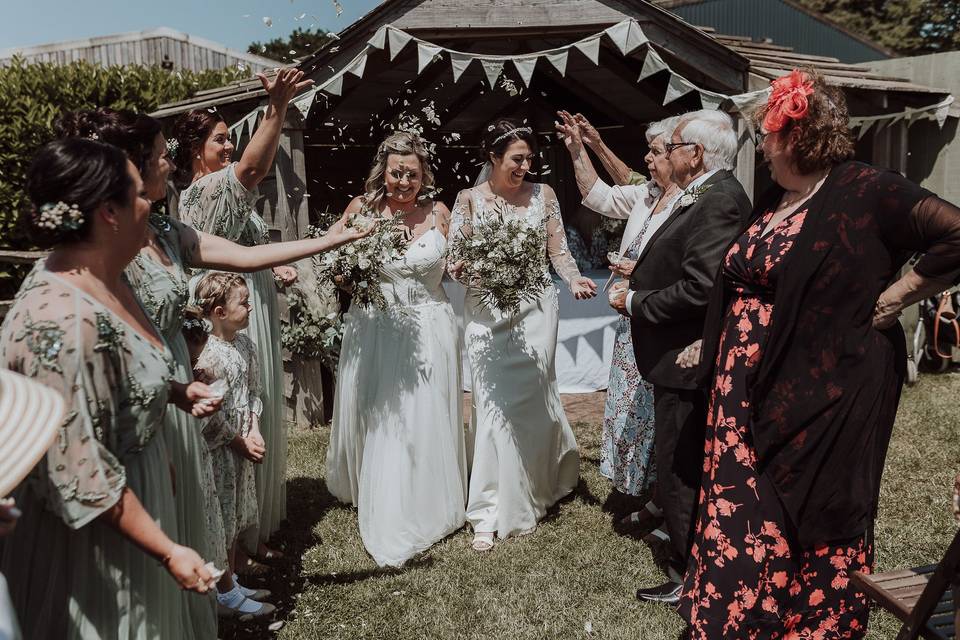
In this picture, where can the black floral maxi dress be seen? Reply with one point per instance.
(747, 578)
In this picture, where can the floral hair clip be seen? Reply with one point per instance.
(788, 100)
(173, 145)
(59, 215)
(193, 323)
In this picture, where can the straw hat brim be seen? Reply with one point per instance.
(30, 414)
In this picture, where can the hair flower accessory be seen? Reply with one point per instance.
(59, 215)
(173, 145)
(788, 100)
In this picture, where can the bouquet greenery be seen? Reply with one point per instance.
(359, 263)
(504, 260)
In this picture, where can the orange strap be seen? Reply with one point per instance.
(945, 312)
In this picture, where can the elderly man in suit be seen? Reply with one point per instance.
(666, 298)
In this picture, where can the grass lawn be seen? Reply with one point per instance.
(574, 577)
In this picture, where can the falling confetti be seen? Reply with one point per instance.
(337, 7)
(267, 20)
(300, 17)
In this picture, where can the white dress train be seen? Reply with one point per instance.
(524, 451)
(397, 442)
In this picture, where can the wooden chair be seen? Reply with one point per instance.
(920, 597)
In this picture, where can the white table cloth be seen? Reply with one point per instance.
(585, 336)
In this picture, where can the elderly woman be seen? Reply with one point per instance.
(626, 449)
(805, 361)
(98, 533)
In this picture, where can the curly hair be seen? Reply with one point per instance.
(75, 171)
(403, 143)
(190, 131)
(823, 137)
(134, 133)
(214, 290)
(503, 132)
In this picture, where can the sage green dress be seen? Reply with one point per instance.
(72, 575)
(164, 293)
(219, 204)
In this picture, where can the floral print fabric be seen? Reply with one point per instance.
(748, 577)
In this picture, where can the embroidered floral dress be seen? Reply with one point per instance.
(72, 575)
(626, 442)
(747, 577)
(163, 290)
(219, 204)
(236, 363)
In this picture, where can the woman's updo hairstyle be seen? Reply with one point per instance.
(77, 174)
(134, 133)
(823, 138)
(402, 143)
(190, 131)
(503, 132)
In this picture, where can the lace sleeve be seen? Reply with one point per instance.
(557, 249)
(218, 203)
(461, 224)
(50, 335)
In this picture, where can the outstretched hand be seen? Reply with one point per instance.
(569, 132)
(284, 85)
(583, 288)
(588, 133)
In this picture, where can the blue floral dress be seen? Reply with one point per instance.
(626, 444)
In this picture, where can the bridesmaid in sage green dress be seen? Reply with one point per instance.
(90, 556)
(219, 200)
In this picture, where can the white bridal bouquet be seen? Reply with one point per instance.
(504, 260)
(359, 263)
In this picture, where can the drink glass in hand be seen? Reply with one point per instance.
(614, 257)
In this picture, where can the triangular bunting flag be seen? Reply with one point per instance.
(559, 60)
(304, 102)
(864, 127)
(459, 62)
(652, 63)
(627, 35)
(711, 100)
(334, 86)
(359, 65)
(744, 101)
(379, 39)
(942, 111)
(678, 86)
(590, 48)
(251, 124)
(492, 68)
(425, 54)
(525, 68)
(398, 40)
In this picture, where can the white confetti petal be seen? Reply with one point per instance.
(588, 626)
(275, 626)
(267, 20)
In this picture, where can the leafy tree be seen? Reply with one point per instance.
(908, 27)
(302, 42)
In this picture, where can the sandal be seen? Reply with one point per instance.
(657, 536)
(649, 517)
(482, 541)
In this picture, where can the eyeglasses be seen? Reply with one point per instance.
(759, 136)
(670, 146)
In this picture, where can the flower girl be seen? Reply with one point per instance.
(229, 360)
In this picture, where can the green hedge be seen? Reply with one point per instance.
(33, 95)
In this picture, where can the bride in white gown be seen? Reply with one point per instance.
(524, 455)
(397, 442)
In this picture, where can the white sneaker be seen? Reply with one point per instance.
(253, 594)
(233, 604)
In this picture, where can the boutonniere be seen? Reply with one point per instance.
(691, 196)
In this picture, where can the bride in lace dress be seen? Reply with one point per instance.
(397, 441)
(524, 452)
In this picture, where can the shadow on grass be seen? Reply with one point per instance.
(307, 501)
(351, 577)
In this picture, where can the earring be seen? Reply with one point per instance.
(116, 228)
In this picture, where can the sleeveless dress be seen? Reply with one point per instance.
(219, 204)
(747, 575)
(397, 439)
(72, 575)
(164, 293)
(524, 451)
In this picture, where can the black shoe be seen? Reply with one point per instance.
(666, 593)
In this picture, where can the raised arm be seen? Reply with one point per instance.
(258, 156)
(570, 133)
(618, 170)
